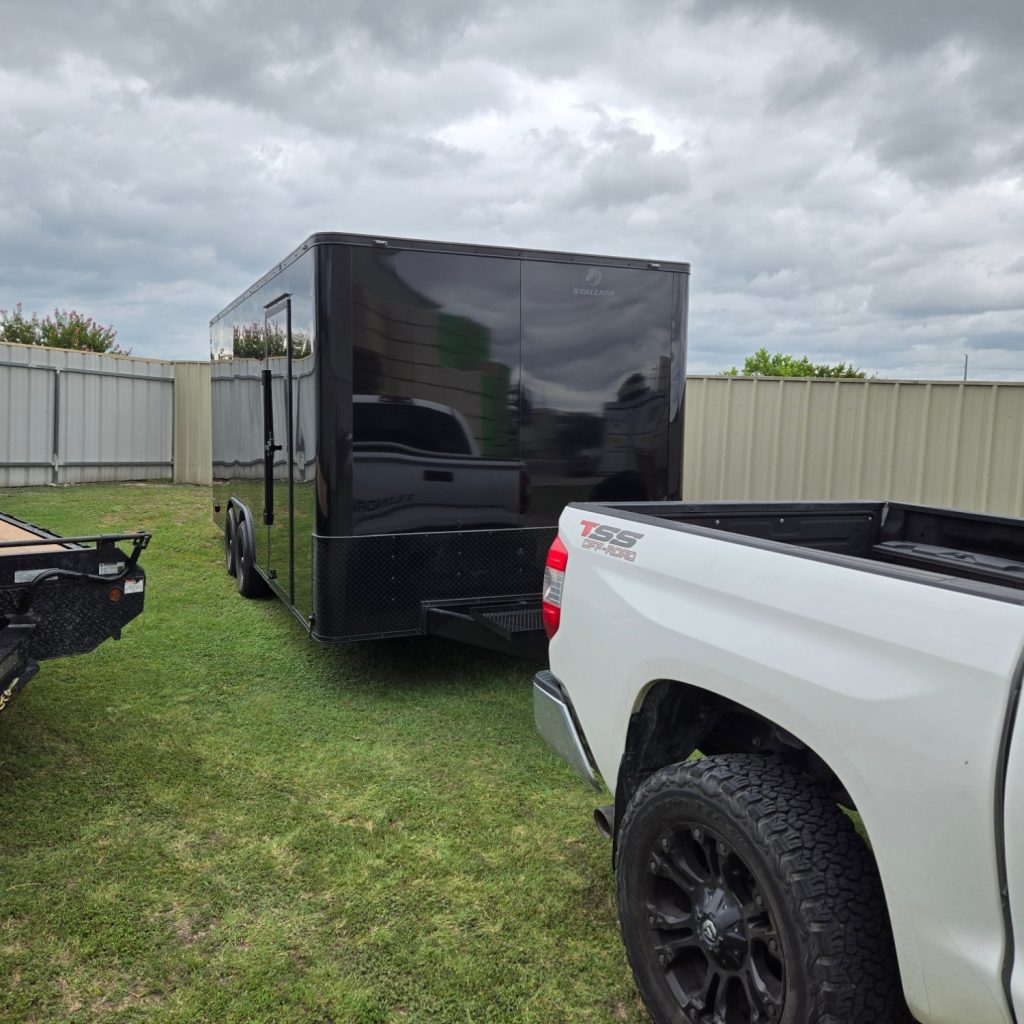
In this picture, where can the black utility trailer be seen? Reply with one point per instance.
(61, 596)
(397, 425)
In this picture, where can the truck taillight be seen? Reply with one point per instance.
(554, 577)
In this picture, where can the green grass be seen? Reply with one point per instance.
(218, 819)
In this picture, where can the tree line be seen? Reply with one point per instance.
(764, 364)
(60, 329)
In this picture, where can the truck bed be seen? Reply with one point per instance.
(943, 545)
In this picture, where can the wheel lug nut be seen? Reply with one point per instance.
(696, 833)
(666, 845)
(723, 849)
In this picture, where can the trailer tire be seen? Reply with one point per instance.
(745, 894)
(230, 524)
(247, 578)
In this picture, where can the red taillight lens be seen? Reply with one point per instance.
(554, 578)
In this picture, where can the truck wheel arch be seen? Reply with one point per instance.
(676, 719)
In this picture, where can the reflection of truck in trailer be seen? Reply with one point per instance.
(393, 419)
(414, 455)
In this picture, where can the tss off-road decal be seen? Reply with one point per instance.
(609, 541)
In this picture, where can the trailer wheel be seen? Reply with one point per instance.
(746, 895)
(230, 523)
(248, 581)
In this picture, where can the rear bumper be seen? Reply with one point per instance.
(556, 722)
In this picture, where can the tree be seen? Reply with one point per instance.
(762, 364)
(63, 329)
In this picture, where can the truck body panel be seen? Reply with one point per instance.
(898, 677)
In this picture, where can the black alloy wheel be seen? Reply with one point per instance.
(710, 928)
(746, 897)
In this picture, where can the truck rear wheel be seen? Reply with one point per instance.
(746, 895)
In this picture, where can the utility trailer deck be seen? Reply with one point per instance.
(61, 596)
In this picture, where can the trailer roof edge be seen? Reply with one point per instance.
(434, 245)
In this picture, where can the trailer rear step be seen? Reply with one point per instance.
(511, 622)
(514, 626)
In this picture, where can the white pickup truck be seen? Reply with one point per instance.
(741, 675)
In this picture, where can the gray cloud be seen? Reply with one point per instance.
(896, 26)
(844, 178)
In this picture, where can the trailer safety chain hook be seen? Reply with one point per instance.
(8, 695)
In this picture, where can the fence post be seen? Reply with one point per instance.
(56, 424)
(193, 446)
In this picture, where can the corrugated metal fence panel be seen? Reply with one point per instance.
(942, 443)
(85, 416)
(193, 448)
(26, 424)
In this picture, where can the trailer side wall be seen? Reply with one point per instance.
(242, 344)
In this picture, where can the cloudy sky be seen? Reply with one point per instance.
(847, 179)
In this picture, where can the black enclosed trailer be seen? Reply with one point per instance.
(397, 425)
(61, 596)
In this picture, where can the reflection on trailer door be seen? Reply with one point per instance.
(278, 444)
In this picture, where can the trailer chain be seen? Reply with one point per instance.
(10, 693)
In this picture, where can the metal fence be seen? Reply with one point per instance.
(934, 442)
(74, 416)
(193, 458)
(70, 417)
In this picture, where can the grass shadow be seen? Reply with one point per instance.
(420, 662)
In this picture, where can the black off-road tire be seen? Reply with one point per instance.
(247, 580)
(230, 523)
(737, 874)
